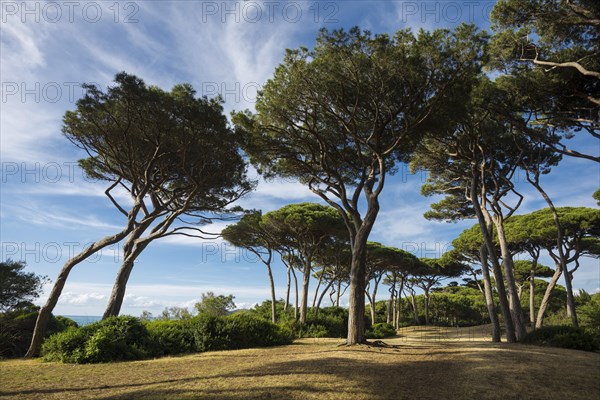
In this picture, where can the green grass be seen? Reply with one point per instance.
(420, 367)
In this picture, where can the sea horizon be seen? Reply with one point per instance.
(82, 320)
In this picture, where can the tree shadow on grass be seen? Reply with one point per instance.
(332, 378)
(460, 372)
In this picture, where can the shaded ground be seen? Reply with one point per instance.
(427, 364)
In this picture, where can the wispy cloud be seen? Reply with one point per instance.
(56, 217)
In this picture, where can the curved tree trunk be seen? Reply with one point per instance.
(570, 297)
(532, 291)
(373, 300)
(488, 294)
(273, 298)
(427, 307)
(296, 288)
(118, 292)
(485, 226)
(399, 305)
(321, 297)
(509, 275)
(287, 292)
(559, 246)
(415, 308)
(390, 308)
(317, 290)
(132, 248)
(46, 311)
(546, 299)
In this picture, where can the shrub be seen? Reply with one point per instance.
(16, 330)
(67, 346)
(209, 333)
(567, 337)
(113, 339)
(246, 330)
(590, 314)
(171, 337)
(330, 322)
(127, 338)
(380, 331)
(118, 338)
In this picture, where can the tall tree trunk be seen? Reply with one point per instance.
(373, 300)
(509, 274)
(118, 292)
(426, 307)
(132, 248)
(273, 298)
(399, 305)
(570, 297)
(546, 299)
(337, 295)
(485, 225)
(305, 281)
(390, 310)
(287, 292)
(296, 288)
(371, 307)
(46, 311)
(488, 294)
(356, 301)
(415, 308)
(534, 262)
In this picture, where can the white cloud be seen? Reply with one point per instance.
(82, 299)
(56, 217)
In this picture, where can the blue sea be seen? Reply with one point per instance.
(84, 319)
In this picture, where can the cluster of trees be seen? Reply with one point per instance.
(172, 152)
(209, 305)
(311, 238)
(341, 118)
(527, 236)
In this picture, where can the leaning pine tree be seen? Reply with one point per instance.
(170, 151)
(340, 117)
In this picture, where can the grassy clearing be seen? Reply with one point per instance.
(428, 364)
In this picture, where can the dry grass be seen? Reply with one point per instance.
(427, 364)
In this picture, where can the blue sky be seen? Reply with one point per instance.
(49, 210)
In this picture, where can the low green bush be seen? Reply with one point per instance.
(171, 337)
(112, 339)
(67, 346)
(330, 322)
(16, 330)
(380, 331)
(245, 330)
(118, 339)
(127, 338)
(563, 336)
(589, 314)
(210, 333)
